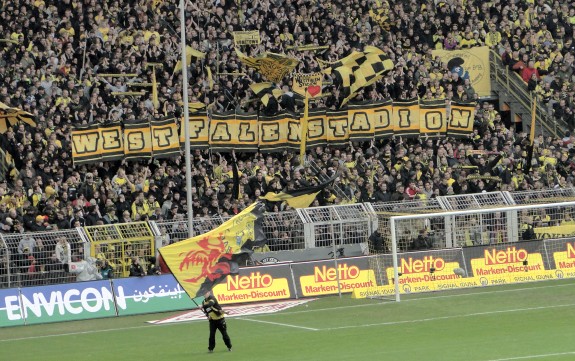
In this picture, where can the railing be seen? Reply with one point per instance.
(286, 231)
(517, 89)
(324, 177)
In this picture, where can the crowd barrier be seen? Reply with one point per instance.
(342, 226)
(420, 271)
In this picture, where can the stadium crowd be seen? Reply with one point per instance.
(55, 52)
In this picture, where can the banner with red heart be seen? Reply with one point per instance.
(314, 90)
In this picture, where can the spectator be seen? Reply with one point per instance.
(63, 250)
(136, 269)
(68, 90)
(106, 270)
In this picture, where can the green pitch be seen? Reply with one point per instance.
(517, 322)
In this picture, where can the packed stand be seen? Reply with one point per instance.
(536, 41)
(55, 52)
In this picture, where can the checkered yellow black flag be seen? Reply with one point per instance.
(358, 70)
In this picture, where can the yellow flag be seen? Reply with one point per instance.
(200, 262)
(191, 53)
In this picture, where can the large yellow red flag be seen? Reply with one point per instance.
(201, 262)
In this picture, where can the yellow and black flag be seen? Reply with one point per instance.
(274, 67)
(11, 116)
(381, 16)
(201, 262)
(191, 56)
(358, 70)
(370, 68)
(265, 91)
(298, 198)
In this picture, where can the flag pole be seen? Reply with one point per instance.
(186, 120)
(533, 119)
(302, 145)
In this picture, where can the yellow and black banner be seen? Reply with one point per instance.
(112, 139)
(86, 144)
(361, 121)
(432, 118)
(199, 131)
(165, 140)
(337, 127)
(316, 126)
(246, 37)
(234, 131)
(461, 120)
(274, 132)
(251, 132)
(406, 118)
(137, 140)
(383, 119)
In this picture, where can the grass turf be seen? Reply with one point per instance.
(514, 322)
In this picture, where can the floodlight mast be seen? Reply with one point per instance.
(186, 119)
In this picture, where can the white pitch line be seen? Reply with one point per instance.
(279, 324)
(534, 356)
(80, 333)
(446, 317)
(479, 293)
(293, 312)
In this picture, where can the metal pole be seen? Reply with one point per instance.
(394, 256)
(186, 119)
(334, 250)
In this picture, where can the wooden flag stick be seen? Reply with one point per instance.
(303, 142)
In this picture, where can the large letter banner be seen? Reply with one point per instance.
(361, 121)
(220, 131)
(199, 131)
(383, 115)
(273, 131)
(316, 134)
(293, 134)
(461, 121)
(406, 118)
(137, 140)
(112, 142)
(165, 142)
(247, 132)
(86, 144)
(337, 127)
(432, 118)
